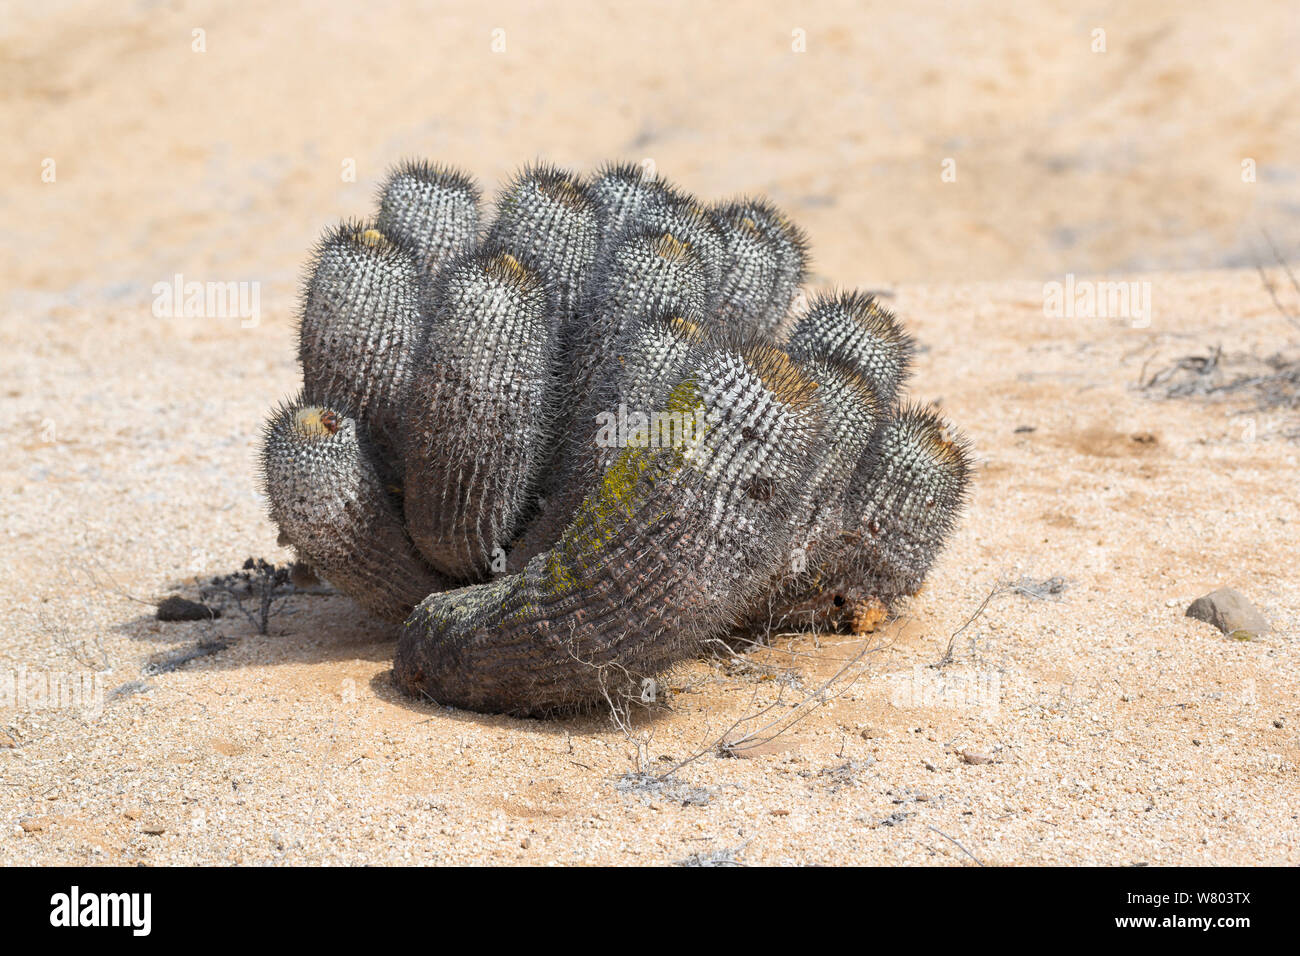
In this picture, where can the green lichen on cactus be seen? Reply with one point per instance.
(665, 552)
(570, 452)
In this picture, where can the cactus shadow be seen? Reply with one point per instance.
(319, 629)
(383, 687)
(305, 629)
(591, 721)
(583, 722)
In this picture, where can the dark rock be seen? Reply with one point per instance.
(1231, 612)
(177, 608)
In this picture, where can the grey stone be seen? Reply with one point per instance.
(1231, 612)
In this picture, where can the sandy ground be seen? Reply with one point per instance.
(1117, 731)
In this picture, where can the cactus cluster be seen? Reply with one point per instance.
(565, 447)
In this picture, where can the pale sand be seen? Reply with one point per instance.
(1119, 731)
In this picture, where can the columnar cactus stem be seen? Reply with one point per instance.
(432, 210)
(361, 320)
(855, 329)
(623, 194)
(764, 263)
(853, 415)
(329, 501)
(661, 555)
(545, 218)
(629, 201)
(478, 415)
(650, 360)
(901, 504)
(683, 217)
(790, 248)
(900, 507)
(642, 275)
(645, 275)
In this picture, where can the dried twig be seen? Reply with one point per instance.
(1286, 268)
(267, 583)
(947, 654)
(955, 843)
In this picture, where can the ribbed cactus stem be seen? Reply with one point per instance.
(328, 499)
(478, 413)
(854, 328)
(433, 210)
(640, 276)
(790, 248)
(651, 359)
(763, 265)
(545, 218)
(361, 320)
(853, 416)
(644, 275)
(683, 217)
(649, 362)
(622, 194)
(899, 509)
(660, 556)
(904, 500)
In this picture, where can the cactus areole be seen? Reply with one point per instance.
(564, 447)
